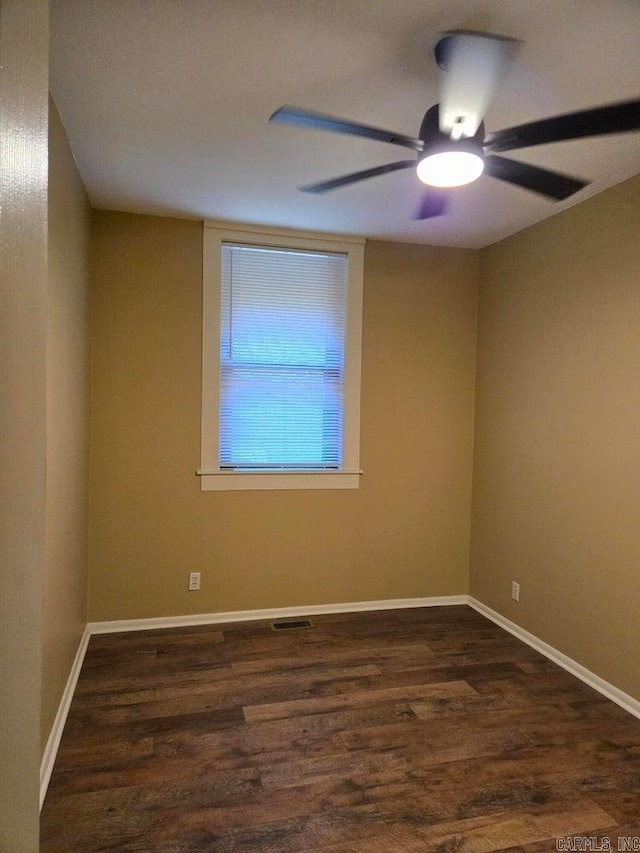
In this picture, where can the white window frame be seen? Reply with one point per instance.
(212, 478)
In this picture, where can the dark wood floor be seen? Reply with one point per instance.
(408, 730)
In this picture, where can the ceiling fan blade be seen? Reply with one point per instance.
(615, 118)
(434, 203)
(542, 181)
(320, 121)
(473, 64)
(354, 177)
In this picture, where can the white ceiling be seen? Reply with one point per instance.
(166, 104)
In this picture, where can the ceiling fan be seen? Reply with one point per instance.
(452, 148)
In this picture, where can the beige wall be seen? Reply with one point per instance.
(23, 294)
(404, 533)
(556, 497)
(65, 575)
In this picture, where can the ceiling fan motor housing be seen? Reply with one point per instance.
(467, 146)
(430, 129)
(448, 161)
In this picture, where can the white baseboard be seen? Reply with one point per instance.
(271, 613)
(604, 687)
(53, 742)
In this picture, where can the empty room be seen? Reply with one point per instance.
(320, 458)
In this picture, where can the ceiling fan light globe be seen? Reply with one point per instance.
(451, 165)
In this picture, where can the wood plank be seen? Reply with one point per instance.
(279, 710)
(504, 830)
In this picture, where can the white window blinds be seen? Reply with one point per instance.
(282, 344)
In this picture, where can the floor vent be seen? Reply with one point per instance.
(292, 625)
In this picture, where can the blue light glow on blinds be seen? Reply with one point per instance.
(282, 358)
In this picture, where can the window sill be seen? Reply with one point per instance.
(224, 481)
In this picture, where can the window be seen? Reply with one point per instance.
(281, 360)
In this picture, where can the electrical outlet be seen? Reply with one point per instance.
(515, 591)
(194, 581)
